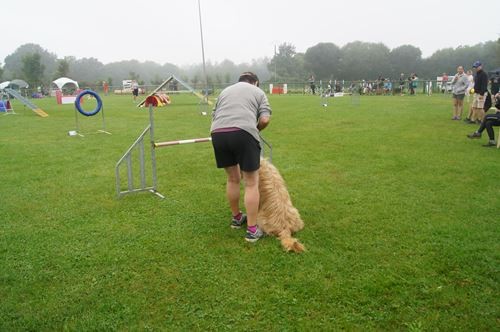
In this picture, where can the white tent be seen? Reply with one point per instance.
(10, 84)
(62, 81)
(4, 85)
(19, 83)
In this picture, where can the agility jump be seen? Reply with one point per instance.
(82, 111)
(138, 147)
(161, 98)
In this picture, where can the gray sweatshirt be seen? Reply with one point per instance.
(460, 84)
(240, 106)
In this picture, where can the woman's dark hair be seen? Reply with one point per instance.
(249, 77)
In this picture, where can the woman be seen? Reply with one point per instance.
(460, 84)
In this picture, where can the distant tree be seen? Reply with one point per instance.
(218, 78)
(362, 60)
(286, 65)
(156, 80)
(85, 69)
(195, 79)
(405, 59)
(210, 80)
(1, 71)
(323, 60)
(133, 76)
(260, 67)
(13, 67)
(227, 78)
(33, 69)
(62, 68)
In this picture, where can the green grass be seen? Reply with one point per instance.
(401, 213)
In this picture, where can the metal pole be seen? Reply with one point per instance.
(152, 141)
(275, 60)
(203, 54)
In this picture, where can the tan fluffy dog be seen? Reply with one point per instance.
(277, 216)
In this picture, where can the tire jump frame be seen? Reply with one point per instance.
(98, 108)
(151, 184)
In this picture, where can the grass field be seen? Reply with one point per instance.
(402, 216)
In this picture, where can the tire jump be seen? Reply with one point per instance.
(78, 105)
(79, 109)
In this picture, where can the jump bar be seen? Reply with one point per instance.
(185, 141)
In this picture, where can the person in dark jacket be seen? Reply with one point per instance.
(480, 92)
(488, 122)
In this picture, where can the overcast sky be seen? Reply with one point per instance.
(238, 30)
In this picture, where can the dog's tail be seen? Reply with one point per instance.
(289, 243)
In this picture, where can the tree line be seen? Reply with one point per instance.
(354, 61)
(361, 60)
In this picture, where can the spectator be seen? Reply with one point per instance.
(488, 122)
(387, 87)
(330, 88)
(105, 87)
(470, 78)
(312, 85)
(401, 84)
(410, 85)
(444, 82)
(414, 81)
(135, 89)
(495, 83)
(480, 91)
(460, 84)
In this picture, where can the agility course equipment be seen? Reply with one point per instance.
(5, 104)
(61, 98)
(146, 183)
(174, 79)
(5, 107)
(26, 102)
(79, 109)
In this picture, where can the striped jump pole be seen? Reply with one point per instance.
(184, 141)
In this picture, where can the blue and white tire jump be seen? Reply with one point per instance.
(97, 98)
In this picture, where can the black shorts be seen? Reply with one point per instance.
(236, 148)
(135, 92)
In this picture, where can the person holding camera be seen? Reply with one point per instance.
(488, 123)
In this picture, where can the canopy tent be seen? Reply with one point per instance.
(62, 81)
(19, 84)
(4, 85)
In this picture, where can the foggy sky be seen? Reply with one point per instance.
(238, 30)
